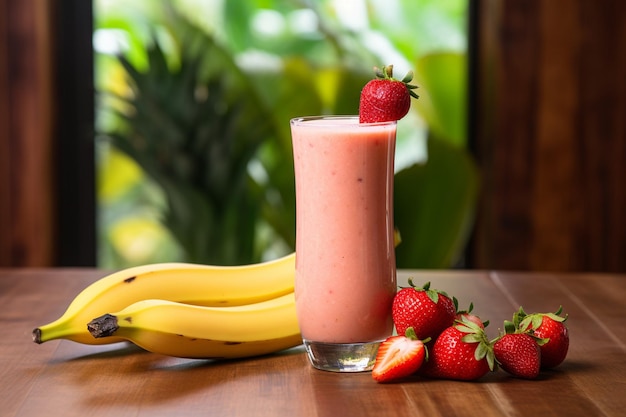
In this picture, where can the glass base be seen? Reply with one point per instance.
(342, 357)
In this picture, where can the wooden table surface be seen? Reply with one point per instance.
(63, 378)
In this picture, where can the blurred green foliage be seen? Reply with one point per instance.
(198, 95)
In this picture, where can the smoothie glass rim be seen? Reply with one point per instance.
(350, 120)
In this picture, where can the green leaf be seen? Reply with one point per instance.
(410, 333)
(509, 327)
(340, 87)
(442, 78)
(433, 295)
(434, 207)
(481, 351)
(288, 93)
(194, 128)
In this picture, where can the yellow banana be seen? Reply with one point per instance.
(204, 285)
(189, 331)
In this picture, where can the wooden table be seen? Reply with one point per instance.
(62, 378)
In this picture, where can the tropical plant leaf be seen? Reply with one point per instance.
(290, 92)
(442, 78)
(194, 128)
(434, 207)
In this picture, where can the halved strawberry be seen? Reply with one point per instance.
(386, 99)
(398, 357)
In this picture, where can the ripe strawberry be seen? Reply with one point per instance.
(399, 357)
(549, 326)
(462, 352)
(468, 314)
(518, 354)
(427, 311)
(386, 99)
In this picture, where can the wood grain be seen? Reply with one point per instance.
(121, 380)
(27, 204)
(550, 135)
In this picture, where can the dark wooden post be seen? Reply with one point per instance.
(47, 205)
(27, 206)
(549, 130)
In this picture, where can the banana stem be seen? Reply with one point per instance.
(37, 336)
(103, 326)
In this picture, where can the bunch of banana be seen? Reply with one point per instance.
(185, 330)
(187, 310)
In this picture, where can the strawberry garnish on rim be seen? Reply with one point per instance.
(385, 98)
(399, 357)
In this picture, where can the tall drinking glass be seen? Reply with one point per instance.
(345, 259)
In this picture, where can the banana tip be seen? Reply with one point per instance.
(37, 336)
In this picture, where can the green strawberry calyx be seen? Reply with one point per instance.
(411, 335)
(432, 294)
(527, 323)
(512, 327)
(386, 73)
(476, 334)
(468, 311)
(532, 321)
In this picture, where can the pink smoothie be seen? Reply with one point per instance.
(345, 260)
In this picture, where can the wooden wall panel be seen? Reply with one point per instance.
(26, 133)
(47, 174)
(549, 110)
(5, 201)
